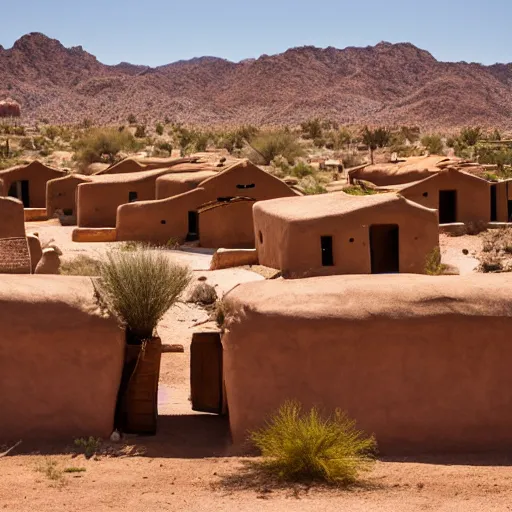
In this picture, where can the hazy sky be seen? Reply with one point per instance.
(155, 32)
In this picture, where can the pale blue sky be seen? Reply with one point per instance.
(156, 32)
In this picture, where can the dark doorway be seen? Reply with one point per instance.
(447, 206)
(193, 226)
(20, 190)
(384, 248)
(132, 197)
(494, 212)
(326, 245)
(509, 210)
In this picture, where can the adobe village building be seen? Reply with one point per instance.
(99, 198)
(419, 361)
(28, 183)
(61, 194)
(132, 164)
(190, 215)
(12, 220)
(457, 195)
(62, 379)
(343, 234)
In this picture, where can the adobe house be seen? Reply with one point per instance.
(98, 199)
(419, 361)
(178, 216)
(227, 224)
(61, 194)
(62, 378)
(501, 201)
(28, 183)
(342, 234)
(12, 220)
(131, 164)
(182, 179)
(457, 195)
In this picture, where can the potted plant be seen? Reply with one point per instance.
(138, 287)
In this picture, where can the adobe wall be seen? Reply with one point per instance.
(60, 361)
(97, 202)
(158, 221)
(473, 195)
(422, 362)
(61, 193)
(294, 247)
(503, 195)
(12, 218)
(227, 225)
(174, 184)
(37, 175)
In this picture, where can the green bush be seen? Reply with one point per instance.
(433, 265)
(270, 144)
(471, 135)
(312, 129)
(299, 446)
(433, 144)
(138, 287)
(301, 169)
(140, 131)
(159, 129)
(132, 119)
(102, 144)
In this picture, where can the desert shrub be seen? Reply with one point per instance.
(351, 159)
(138, 287)
(52, 132)
(475, 228)
(360, 189)
(140, 131)
(281, 166)
(81, 265)
(491, 176)
(310, 186)
(159, 129)
(470, 135)
(433, 143)
(338, 139)
(302, 169)
(490, 263)
(433, 265)
(410, 133)
(88, 446)
(27, 143)
(164, 146)
(270, 144)
(203, 294)
(312, 129)
(102, 144)
(499, 156)
(131, 119)
(304, 446)
(201, 140)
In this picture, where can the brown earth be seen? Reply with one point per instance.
(383, 84)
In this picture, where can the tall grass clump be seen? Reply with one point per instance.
(102, 145)
(138, 287)
(270, 144)
(82, 265)
(304, 446)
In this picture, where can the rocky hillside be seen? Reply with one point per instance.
(383, 84)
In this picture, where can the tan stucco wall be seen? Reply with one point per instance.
(12, 218)
(61, 193)
(473, 194)
(294, 246)
(97, 202)
(422, 362)
(37, 175)
(228, 225)
(177, 183)
(60, 362)
(143, 221)
(503, 195)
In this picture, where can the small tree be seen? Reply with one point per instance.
(433, 144)
(159, 129)
(273, 143)
(132, 119)
(140, 131)
(470, 136)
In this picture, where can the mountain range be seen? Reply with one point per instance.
(386, 84)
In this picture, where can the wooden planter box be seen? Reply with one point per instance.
(137, 405)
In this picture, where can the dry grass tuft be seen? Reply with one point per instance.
(304, 446)
(203, 294)
(139, 287)
(82, 265)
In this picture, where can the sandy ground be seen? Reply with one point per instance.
(452, 248)
(190, 465)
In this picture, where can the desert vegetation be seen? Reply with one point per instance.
(299, 445)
